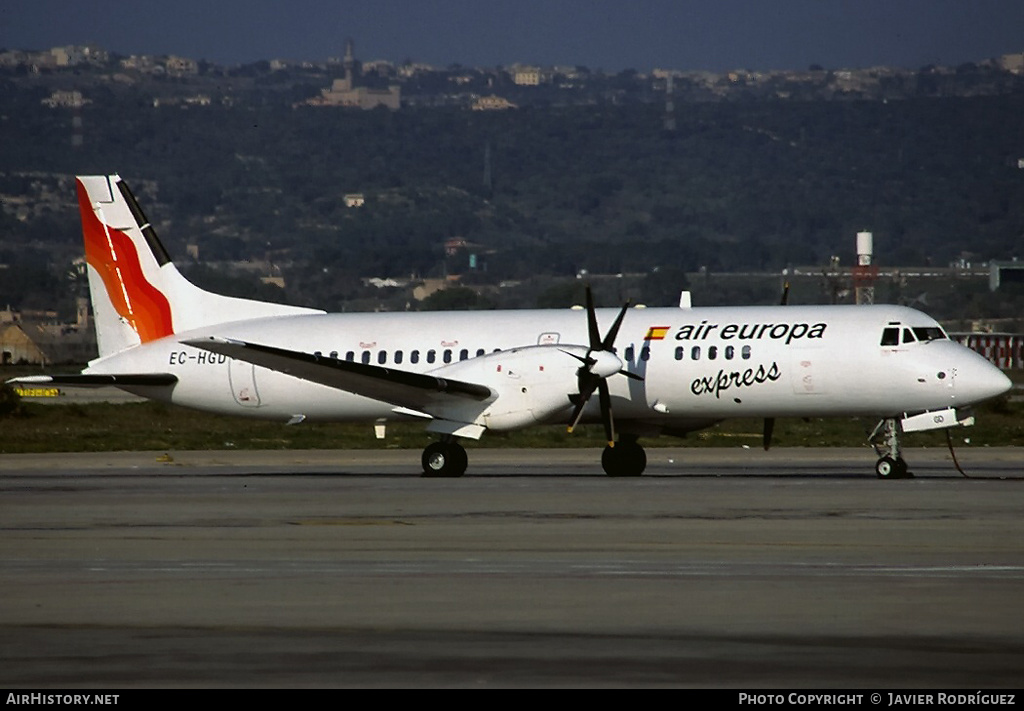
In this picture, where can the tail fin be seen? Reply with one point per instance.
(138, 295)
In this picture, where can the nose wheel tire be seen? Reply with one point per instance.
(444, 459)
(892, 468)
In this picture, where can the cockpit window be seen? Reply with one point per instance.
(929, 333)
(890, 337)
(908, 336)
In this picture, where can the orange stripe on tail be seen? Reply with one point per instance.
(114, 257)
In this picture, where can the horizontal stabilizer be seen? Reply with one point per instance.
(94, 381)
(398, 387)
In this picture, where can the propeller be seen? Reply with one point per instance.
(598, 364)
(769, 422)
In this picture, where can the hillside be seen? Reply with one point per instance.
(749, 182)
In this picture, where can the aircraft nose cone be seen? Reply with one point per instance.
(981, 380)
(997, 383)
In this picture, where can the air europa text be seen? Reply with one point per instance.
(787, 332)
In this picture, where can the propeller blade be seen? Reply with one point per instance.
(609, 340)
(586, 390)
(634, 376)
(769, 427)
(580, 358)
(606, 412)
(595, 334)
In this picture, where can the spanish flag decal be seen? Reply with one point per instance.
(656, 333)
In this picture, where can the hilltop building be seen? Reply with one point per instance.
(344, 92)
(492, 103)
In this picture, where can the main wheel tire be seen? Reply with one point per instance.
(892, 468)
(902, 470)
(887, 468)
(444, 459)
(624, 459)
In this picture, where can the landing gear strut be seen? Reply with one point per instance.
(626, 458)
(890, 464)
(446, 458)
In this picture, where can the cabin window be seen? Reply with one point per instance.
(629, 353)
(479, 352)
(414, 357)
(398, 357)
(318, 354)
(431, 355)
(464, 354)
(712, 352)
(365, 357)
(695, 353)
(382, 357)
(680, 352)
(746, 352)
(349, 355)
(334, 355)
(645, 353)
(447, 355)
(729, 352)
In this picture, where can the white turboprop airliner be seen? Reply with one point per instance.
(660, 370)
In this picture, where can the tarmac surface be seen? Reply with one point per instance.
(718, 568)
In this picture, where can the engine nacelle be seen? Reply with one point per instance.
(532, 384)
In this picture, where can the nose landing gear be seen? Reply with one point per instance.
(890, 464)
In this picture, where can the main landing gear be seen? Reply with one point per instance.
(626, 458)
(890, 464)
(445, 458)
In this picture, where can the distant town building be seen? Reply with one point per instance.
(1012, 63)
(38, 337)
(344, 92)
(197, 100)
(65, 99)
(528, 75)
(18, 348)
(140, 63)
(181, 66)
(492, 103)
(430, 286)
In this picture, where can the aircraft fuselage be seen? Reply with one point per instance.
(695, 364)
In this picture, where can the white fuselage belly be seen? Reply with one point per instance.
(732, 361)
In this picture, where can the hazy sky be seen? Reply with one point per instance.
(608, 34)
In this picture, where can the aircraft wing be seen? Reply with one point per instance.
(417, 391)
(95, 380)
